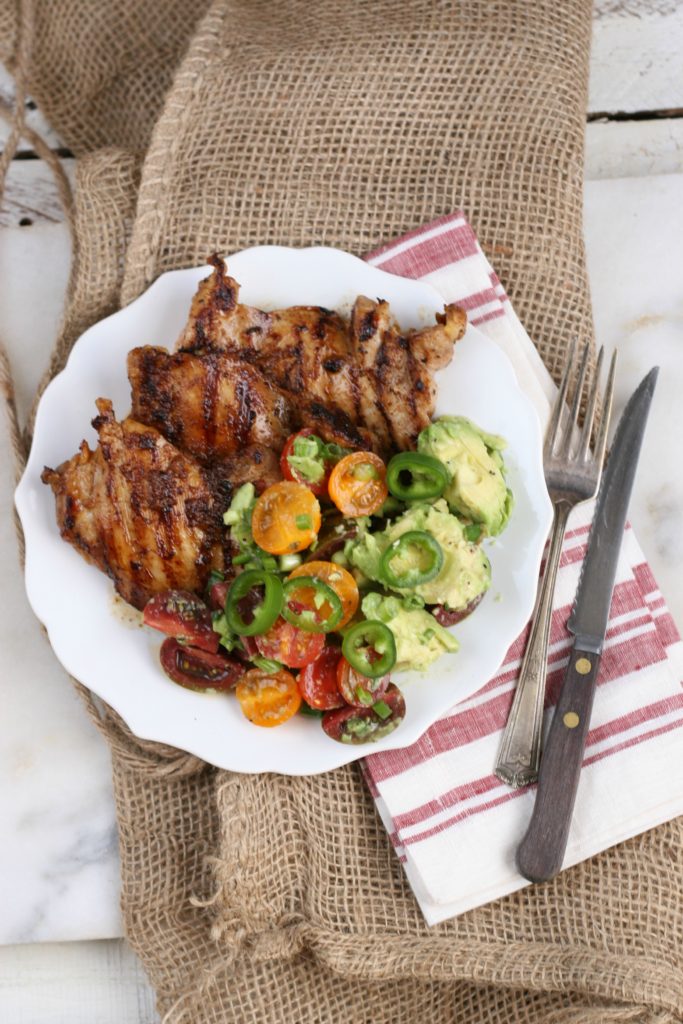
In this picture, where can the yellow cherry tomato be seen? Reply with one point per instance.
(339, 579)
(268, 698)
(286, 518)
(358, 484)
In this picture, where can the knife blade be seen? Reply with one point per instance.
(588, 620)
(541, 852)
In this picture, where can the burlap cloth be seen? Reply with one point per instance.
(272, 899)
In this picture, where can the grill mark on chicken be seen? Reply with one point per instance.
(143, 512)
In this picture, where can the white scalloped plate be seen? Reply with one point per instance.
(119, 662)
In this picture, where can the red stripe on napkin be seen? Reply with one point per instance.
(640, 631)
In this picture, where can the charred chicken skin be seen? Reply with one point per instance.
(212, 405)
(379, 379)
(140, 510)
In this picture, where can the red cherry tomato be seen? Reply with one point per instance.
(319, 488)
(182, 615)
(318, 681)
(218, 593)
(197, 669)
(357, 690)
(289, 645)
(365, 725)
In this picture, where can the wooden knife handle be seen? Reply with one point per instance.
(541, 852)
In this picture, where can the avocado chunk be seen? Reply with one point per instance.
(420, 639)
(466, 571)
(473, 459)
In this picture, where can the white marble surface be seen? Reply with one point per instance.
(58, 856)
(634, 241)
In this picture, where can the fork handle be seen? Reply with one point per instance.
(541, 852)
(520, 750)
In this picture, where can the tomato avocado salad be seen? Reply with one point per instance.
(347, 570)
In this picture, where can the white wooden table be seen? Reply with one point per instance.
(634, 222)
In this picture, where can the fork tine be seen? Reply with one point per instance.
(556, 418)
(601, 441)
(592, 401)
(576, 402)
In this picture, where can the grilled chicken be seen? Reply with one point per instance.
(141, 511)
(212, 405)
(374, 376)
(395, 371)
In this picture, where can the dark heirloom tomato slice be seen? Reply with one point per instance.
(218, 592)
(357, 690)
(446, 617)
(290, 645)
(197, 669)
(318, 681)
(182, 615)
(367, 725)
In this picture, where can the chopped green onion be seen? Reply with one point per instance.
(365, 471)
(303, 522)
(289, 562)
(241, 559)
(381, 708)
(306, 709)
(266, 664)
(363, 695)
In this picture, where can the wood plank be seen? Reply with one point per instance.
(636, 56)
(74, 983)
(31, 195)
(627, 149)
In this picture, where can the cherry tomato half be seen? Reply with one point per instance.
(289, 645)
(366, 725)
(286, 518)
(358, 484)
(357, 690)
(196, 669)
(446, 617)
(341, 581)
(318, 681)
(268, 698)
(183, 615)
(289, 473)
(218, 593)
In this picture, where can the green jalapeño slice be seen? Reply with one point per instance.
(412, 476)
(311, 605)
(370, 648)
(414, 558)
(254, 602)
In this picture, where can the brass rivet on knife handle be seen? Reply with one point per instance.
(583, 666)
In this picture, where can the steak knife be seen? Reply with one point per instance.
(541, 852)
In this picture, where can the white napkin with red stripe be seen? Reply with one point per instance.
(453, 824)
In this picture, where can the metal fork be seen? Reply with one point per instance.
(572, 475)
